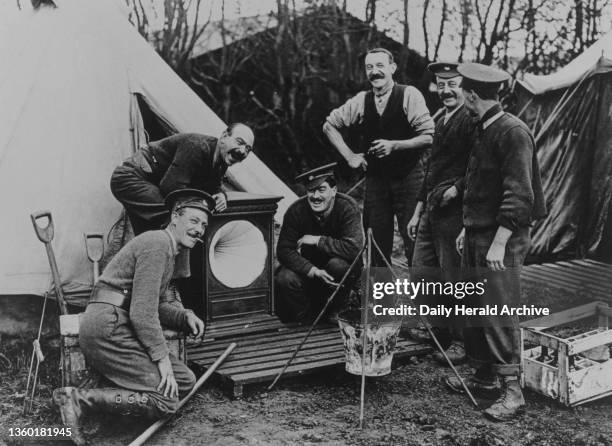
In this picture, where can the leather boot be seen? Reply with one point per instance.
(456, 354)
(509, 404)
(72, 402)
(478, 387)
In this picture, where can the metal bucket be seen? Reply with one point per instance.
(380, 344)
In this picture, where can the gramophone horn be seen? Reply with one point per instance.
(237, 253)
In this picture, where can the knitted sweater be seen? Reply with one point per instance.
(144, 268)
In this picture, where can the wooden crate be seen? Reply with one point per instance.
(556, 368)
(259, 356)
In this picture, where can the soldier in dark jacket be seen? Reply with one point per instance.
(395, 129)
(502, 197)
(184, 160)
(320, 237)
(438, 213)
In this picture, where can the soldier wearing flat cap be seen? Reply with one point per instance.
(502, 197)
(395, 129)
(320, 237)
(438, 213)
(121, 330)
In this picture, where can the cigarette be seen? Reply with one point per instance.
(198, 239)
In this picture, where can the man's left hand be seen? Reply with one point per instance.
(449, 194)
(220, 202)
(495, 256)
(308, 240)
(381, 147)
(195, 324)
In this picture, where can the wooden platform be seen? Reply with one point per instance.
(264, 345)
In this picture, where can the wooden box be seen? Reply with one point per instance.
(558, 367)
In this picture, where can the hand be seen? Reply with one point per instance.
(381, 147)
(321, 274)
(460, 241)
(195, 324)
(449, 194)
(168, 385)
(495, 256)
(357, 161)
(413, 225)
(312, 240)
(220, 202)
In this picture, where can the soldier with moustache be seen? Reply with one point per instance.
(320, 237)
(437, 218)
(502, 197)
(395, 129)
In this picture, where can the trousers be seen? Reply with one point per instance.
(494, 341)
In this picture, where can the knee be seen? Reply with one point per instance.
(288, 279)
(337, 267)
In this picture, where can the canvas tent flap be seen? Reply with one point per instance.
(67, 83)
(573, 129)
(572, 72)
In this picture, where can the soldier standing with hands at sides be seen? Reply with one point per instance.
(438, 213)
(502, 197)
(395, 129)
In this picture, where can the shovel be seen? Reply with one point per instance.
(94, 245)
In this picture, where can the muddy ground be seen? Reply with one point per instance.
(408, 407)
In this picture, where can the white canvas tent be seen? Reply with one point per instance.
(70, 80)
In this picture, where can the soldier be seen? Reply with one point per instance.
(438, 213)
(502, 197)
(395, 129)
(320, 237)
(121, 330)
(184, 160)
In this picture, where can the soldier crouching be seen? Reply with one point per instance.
(121, 330)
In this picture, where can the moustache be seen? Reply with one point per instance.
(448, 96)
(375, 76)
(237, 154)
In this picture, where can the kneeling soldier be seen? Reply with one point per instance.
(120, 332)
(320, 237)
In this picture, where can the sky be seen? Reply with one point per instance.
(388, 18)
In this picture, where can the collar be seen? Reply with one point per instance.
(448, 115)
(322, 217)
(174, 242)
(491, 115)
(382, 94)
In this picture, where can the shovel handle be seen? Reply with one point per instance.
(91, 236)
(44, 234)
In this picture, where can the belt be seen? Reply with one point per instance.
(111, 297)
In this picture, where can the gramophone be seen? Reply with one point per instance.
(238, 262)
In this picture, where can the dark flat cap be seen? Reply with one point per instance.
(190, 198)
(482, 74)
(445, 70)
(313, 178)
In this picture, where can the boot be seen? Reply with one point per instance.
(478, 387)
(456, 354)
(509, 404)
(72, 402)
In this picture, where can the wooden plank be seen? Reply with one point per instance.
(563, 360)
(261, 339)
(580, 345)
(541, 378)
(246, 329)
(252, 377)
(563, 317)
(257, 352)
(573, 284)
(590, 383)
(278, 364)
(543, 339)
(253, 361)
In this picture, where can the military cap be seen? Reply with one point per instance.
(445, 70)
(313, 178)
(482, 74)
(190, 198)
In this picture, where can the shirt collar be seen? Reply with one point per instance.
(448, 115)
(174, 243)
(491, 115)
(384, 93)
(322, 217)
